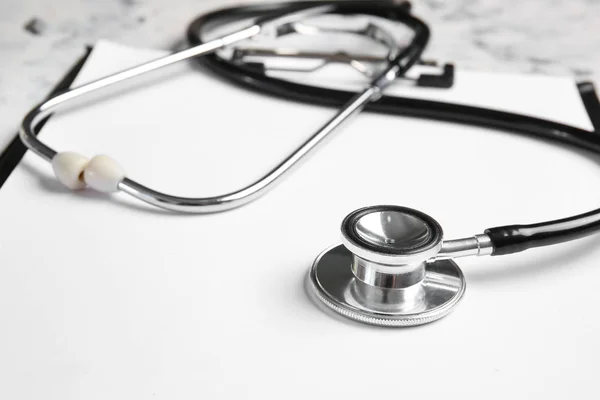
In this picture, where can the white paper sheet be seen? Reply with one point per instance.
(103, 297)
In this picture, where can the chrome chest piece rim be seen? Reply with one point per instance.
(385, 273)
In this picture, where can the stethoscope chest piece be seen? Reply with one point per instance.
(385, 272)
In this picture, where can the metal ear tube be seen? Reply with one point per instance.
(393, 268)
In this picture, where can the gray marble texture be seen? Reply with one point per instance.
(40, 39)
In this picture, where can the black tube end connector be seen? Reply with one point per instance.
(443, 81)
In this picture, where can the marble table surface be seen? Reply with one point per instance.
(40, 40)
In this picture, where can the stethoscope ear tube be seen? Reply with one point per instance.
(104, 174)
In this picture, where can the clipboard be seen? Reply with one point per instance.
(14, 151)
(12, 154)
(113, 299)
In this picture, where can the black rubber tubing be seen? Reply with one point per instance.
(505, 239)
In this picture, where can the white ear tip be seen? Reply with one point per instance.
(68, 168)
(103, 174)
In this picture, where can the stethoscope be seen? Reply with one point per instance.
(393, 267)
